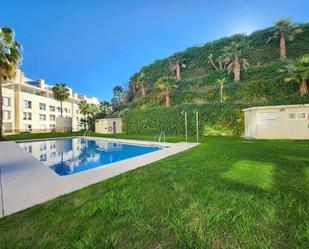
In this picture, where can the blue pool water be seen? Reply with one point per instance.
(72, 155)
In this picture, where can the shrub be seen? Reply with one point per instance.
(216, 117)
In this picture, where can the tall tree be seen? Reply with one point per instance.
(141, 82)
(177, 63)
(84, 108)
(284, 30)
(221, 82)
(10, 59)
(60, 93)
(234, 55)
(166, 85)
(221, 61)
(117, 90)
(298, 71)
(105, 106)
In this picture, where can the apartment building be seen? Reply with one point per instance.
(29, 106)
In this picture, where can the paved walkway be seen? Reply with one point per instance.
(26, 182)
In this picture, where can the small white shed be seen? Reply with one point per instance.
(108, 125)
(277, 122)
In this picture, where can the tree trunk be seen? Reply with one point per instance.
(213, 64)
(167, 99)
(282, 48)
(303, 88)
(236, 70)
(61, 108)
(143, 90)
(221, 92)
(85, 122)
(1, 111)
(178, 68)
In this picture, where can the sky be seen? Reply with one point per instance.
(96, 44)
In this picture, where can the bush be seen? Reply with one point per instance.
(217, 117)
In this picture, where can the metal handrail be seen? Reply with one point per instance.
(159, 136)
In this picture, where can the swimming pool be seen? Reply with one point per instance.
(72, 155)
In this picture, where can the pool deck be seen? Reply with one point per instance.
(26, 182)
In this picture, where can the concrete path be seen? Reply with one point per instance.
(26, 182)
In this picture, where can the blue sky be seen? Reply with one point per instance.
(93, 45)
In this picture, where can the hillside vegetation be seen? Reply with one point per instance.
(267, 67)
(261, 82)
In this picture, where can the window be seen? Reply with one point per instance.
(43, 157)
(6, 101)
(42, 107)
(53, 154)
(42, 117)
(77, 111)
(6, 115)
(300, 115)
(296, 115)
(58, 109)
(27, 104)
(52, 146)
(291, 116)
(52, 108)
(52, 117)
(52, 126)
(65, 110)
(27, 116)
(27, 127)
(28, 148)
(42, 146)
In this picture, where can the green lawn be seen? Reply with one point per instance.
(225, 193)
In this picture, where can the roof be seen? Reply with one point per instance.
(274, 106)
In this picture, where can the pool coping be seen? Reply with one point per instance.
(26, 182)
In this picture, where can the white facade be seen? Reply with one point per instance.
(29, 106)
(108, 125)
(277, 122)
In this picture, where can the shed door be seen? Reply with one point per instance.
(114, 126)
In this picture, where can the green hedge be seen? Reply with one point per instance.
(216, 118)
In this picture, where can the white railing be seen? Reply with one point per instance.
(160, 135)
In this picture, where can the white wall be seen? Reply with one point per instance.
(105, 126)
(278, 122)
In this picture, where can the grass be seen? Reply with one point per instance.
(225, 193)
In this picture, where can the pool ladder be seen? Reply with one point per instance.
(85, 133)
(160, 135)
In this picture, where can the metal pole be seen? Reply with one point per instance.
(197, 138)
(196, 121)
(186, 124)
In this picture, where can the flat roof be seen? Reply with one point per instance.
(274, 106)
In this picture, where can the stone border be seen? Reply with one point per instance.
(27, 182)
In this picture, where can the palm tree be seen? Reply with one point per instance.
(298, 71)
(284, 30)
(10, 59)
(176, 64)
(60, 93)
(117, 90)
(141, 82)
(221, 82)
(104, 106)
(93, 109)
(233, 54)
(84, 109)
(166, 85)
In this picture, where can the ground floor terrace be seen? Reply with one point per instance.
(226, 192)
